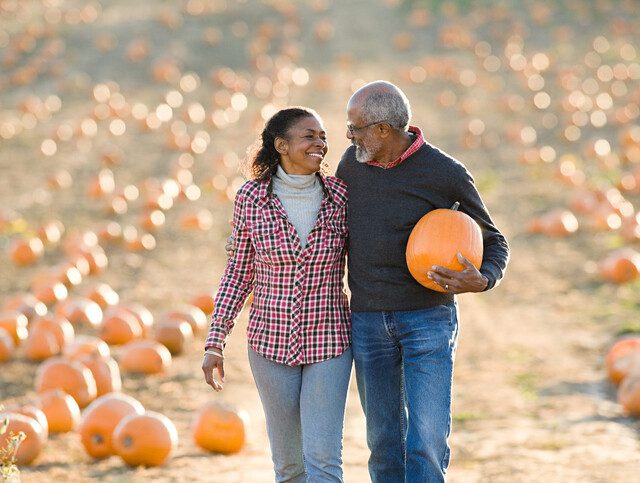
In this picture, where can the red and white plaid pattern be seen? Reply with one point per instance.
(300, 312)
(415, 145)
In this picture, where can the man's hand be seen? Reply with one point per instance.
(230, 247)
(209, 363)
(467, 280)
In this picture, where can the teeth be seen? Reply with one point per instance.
(315, 154)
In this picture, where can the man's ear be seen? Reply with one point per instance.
(281, 145)
(383, 129)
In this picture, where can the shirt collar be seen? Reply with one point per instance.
(265, 191)
(415, 145)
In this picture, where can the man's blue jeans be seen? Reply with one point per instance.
(304, 408)
(404, 369)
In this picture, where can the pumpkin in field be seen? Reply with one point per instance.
(622, 358)
(219, 429)
(145, 357)
(204, 302)
(61, 410)
(119, 327)
(26, 252)
(104, 295)
(621, 266)
(32, 445)
(7, 345)
(80, 311)
(86, 345)
(40, 345)
(145, 439)
(143, 314)
(72, 377)
(192, 314)
(60, 327)
(100, 419)
(15, 323)
(174, 334)
(105, 371)
(436, 240)
(38, 414)
(629, 394)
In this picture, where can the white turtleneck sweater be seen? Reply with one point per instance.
(300, 195)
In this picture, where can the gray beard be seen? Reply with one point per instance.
(363, 155)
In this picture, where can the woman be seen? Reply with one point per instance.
(290, 235)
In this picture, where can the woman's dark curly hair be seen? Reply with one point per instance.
(262, 158)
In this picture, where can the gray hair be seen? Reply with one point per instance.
(391, 106)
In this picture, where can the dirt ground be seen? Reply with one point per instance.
(531, 398)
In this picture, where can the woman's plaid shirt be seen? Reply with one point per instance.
(300, 312)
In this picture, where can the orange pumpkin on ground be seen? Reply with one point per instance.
(622, 357)
(104, 295)
(32, 445)
(621, 266)
(41, 345)
(61, 410)
(629, 394)
(26, 304)
(436, 240)
(86, 345)
(60, 327)
(7, 345)
(145, 439)
(106, 372)
(51, 293)
(204, 302)
(101, 417)
(144, 357)
(71, 376)
(143, 314)
(80, 311)
(119, 327)
(174, 334)
(219, 429)
(26, 252)
(38, 414)
(192, 314)
(15, 323)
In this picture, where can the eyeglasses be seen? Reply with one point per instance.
(352, 129)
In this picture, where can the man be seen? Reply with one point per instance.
(405, 335)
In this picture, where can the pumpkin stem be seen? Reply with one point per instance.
(455, 206)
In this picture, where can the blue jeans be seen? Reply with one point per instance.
(304, 409)
(404, 369)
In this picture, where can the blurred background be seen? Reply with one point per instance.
(122, 126)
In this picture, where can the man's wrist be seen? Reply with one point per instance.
(214, 352)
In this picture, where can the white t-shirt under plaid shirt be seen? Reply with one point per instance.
(300, 312)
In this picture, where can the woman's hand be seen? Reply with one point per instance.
(210, 363)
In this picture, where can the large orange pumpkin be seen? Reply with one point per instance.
(145, 357)
(119, 327)
(100, 419)
(219, 429)
(80, 311)
(145, 439)
(629, 394)
(40, 345)
(71, 376)
(436, 240)
(106, 372)
(38, 414)
(621, 266)
(31, 447)
(174, 334)
(86, 345)
(143, 314)
(622, 357)
(60, 327)
(61, 410)
(194, 315)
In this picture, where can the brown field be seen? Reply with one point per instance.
(145, 88)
